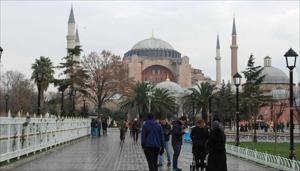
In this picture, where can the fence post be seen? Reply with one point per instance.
(8, 135)
(18, 137)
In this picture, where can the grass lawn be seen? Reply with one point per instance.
(281, 149)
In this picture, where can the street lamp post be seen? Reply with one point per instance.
(73, 102)
(6, 103)
(1, 50)
(149, 94)
(237, 82)
(84, 107)
(62, 112)
(193, 112)
(39, 80)
(210, 110)
(291, 57)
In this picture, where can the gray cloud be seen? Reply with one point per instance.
(33, 29)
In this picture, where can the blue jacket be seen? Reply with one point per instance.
(152, 135)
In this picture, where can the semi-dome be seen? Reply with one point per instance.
(153, 48)
(170, 85)
(273, 75)
(152, 43)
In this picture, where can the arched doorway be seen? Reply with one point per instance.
(157, 73)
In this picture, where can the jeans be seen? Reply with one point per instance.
(151, 156)
(135, 136)
(99, 131)
(167, 150)
(176, 149)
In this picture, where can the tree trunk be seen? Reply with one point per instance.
(275, 128)
(254, 134)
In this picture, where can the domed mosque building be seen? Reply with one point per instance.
(155, 60)
(274, 77)
(276, 85)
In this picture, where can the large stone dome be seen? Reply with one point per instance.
(171, 86)
(273, 75)
(152, 43)
(153, 48)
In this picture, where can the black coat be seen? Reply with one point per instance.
(217, 152)
(199, 136)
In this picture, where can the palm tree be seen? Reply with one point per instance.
(136, 98)
(199, 98)
(43, 67)
(162, 102)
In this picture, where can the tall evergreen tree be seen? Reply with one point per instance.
(222, 103)
(75, 77)
(252, 96)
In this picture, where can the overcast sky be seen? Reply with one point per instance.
(38, 28)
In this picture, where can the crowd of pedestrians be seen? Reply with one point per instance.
(159, 136)
(206, 143)
(97, 125)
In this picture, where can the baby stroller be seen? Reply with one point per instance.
(193, 164)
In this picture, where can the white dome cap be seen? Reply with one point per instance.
(152, 43)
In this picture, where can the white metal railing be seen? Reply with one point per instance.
(23, 135)
(230, 137)
(266, 159)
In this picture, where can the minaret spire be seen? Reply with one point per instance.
(218, 42)
(71, 16)
(218, 62)
(234, 52)
(233, 27)
(77, 36)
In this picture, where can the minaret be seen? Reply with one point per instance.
(218, 62)
(234, 47)
(77, 43)
(71, 37)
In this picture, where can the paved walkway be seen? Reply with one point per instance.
(106, 153)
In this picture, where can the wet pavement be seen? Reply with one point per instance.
(106, 153)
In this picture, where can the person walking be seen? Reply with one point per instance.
(136, 130)
(167, 132)
(94, 130)
(99, 123)
(216, 148)
(104, 127)
(199, 136)
(177, 133)
(152, 141)
(123, 130)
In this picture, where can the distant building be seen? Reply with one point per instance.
(155, 60)
(274, 77)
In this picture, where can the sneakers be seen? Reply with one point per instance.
(177, 169)
(169, 164)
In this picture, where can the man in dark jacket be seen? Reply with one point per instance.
(167, 132)
(216, 148)
(104, 126)
(135, 129)
(152, 140)
(199, 136)
(177, 133)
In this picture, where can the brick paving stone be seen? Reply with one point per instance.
(106, 153)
